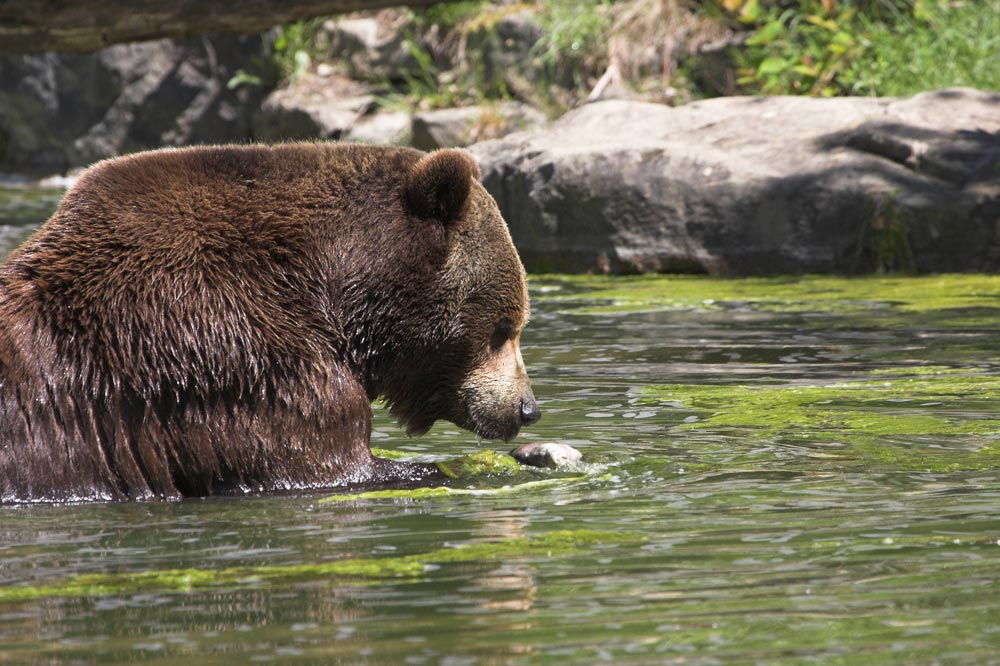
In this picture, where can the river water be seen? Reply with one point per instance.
(783, 471)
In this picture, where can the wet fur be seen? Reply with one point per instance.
(212, 320)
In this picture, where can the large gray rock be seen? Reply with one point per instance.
(327, 105)
(757, 185)
(60, 111)
(452, 128)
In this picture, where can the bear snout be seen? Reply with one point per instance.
(492, 415)
(530, 413)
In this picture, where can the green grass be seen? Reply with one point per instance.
(862, 47)
(288, 53)
(958, 46)
(573, 39)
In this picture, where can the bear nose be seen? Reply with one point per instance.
(529, 410)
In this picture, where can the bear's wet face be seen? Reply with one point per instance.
(496, 394)
(469, 371)
(480, 385)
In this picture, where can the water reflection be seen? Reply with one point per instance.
(22, 208)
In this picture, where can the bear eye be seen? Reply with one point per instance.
(501, 334)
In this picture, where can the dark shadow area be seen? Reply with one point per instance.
(959, 158)
(61, 111)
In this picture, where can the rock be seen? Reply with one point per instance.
(546, 454)
(375, 48)
(324, 107)
(60, 111)
(451, 128)
(756, 185)
(391, 127)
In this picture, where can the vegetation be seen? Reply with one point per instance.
(463, 57)
(355, 571)
(289, 51)
(885, 297)
(885, 239)
(802, 49)
(420, 494)
(956, 45)
(869, 424)
(551, 53)
(868, 47)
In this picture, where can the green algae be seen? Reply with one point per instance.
(481, 463)
(25, 206)
(924, 370)
(875, 420)
(396, 493)
(189, 579)
(391, 454)
(809, 293)
(414, 494)
(475, 464)
(348, 571)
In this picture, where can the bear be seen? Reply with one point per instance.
(218, 320)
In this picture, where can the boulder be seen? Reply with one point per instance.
(762, 185)
(391, 127)
(451, 128)
(60, 111)
(313, 106)
(374, 48)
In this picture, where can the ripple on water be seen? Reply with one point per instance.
(774, 479)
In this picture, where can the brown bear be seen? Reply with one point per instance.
(218, 319)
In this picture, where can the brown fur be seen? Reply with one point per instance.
(218, 319)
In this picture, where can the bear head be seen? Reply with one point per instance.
(455, 351)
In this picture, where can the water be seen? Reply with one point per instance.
(22, 208)
(807, 478)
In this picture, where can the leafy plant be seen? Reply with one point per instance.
(574, 34)
(425, 86)
(885, 239)
(870, 47)
(287, 56)
(449, 15)
(796, 50)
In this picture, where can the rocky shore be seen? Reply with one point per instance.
(732, 185)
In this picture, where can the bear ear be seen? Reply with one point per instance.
(438, 185)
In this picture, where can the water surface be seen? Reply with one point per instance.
(798, 470)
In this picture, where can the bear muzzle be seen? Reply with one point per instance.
(530, 413)
(493, 418)
(496, 397)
